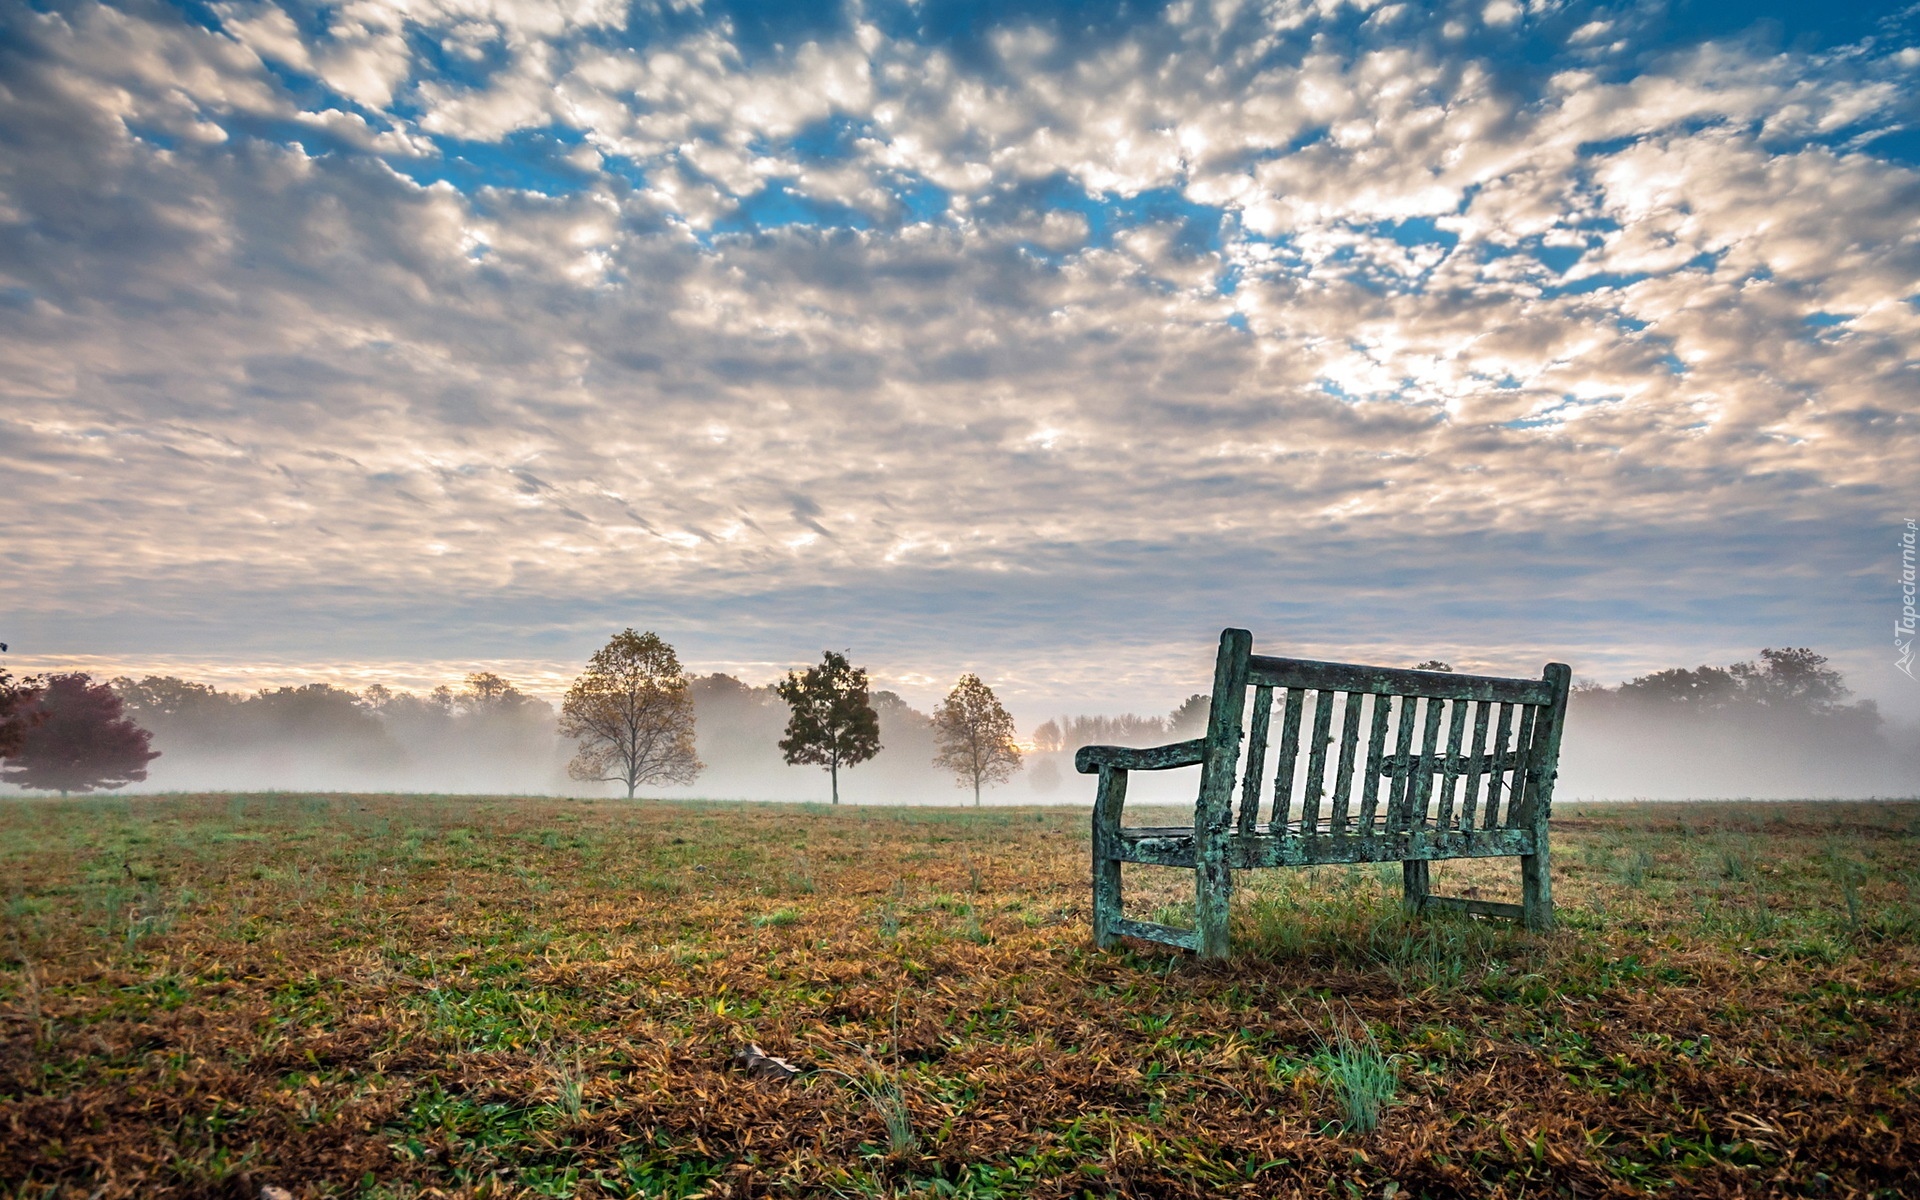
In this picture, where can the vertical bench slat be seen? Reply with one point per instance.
(1417, 814)
(1370, 777)
(1256, 768)
(1522, 762)
(1397, 800)
(1289, 754)
(1316, 762)
(1456, 729)
(1517, 784)
(1490, 819)
(1343, 774)
(1475, 764)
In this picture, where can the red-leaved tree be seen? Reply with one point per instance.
(18, 711)
(82, 741)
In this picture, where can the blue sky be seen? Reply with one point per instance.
(381, 341)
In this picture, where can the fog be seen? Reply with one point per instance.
(1781, 727)
(1614, 751)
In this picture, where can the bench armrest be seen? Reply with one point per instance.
(1089, 759)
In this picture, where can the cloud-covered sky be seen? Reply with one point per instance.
(384, 339)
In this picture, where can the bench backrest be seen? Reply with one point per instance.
(1341, 749)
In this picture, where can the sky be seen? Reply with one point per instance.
(384, 341)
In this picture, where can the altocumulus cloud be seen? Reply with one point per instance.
(1039, 342)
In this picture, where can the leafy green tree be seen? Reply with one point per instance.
(631, 714)
(833, 722)
(975, 736)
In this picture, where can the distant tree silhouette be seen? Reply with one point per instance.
(1190, 719)
(1790, 680)
(486, 692)
(1127, 729)
(976, 736)
(18, 711)
(631, 715)
(833, 722)
(1434, 664)
(158, 699)
(83, 741)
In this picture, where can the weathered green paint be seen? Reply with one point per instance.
(1256, 760)
(1289, 755)
(1429, 764)
(1475, 764)
(1451, 761)
(1317, 761)
(1150, 758)
(1414, 882)
(1490, 819)
(1536, 869)
(1186, 939)
(1419, 823)
(1108, 802)
(1212, 878)
(1174, 847)
(1386, 681)
(1402, 750)
(1343, 773)
(1376, 748)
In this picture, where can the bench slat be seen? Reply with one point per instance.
(1474, 765)
(1403, 750)
(1174, 847)
(1289, 755)
(1456, 729)
(1349, 745)
(1531, 727)
(1495, 780)
(1387, 681)
(1256, 758)
(1417, 811)
(1376, 750)
(1317, 759)
(1186, 939)
(1522, 753)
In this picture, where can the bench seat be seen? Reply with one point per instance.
(1173, 846)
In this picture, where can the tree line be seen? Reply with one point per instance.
(630, 718)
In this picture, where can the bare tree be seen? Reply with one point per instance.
(975, 736)
(630, 712)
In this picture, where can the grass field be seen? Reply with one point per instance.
(426, 996)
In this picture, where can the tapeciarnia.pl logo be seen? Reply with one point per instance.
(1904, 627)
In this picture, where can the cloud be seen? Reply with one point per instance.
(997, 350)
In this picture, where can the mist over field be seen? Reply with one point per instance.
(1666, 736)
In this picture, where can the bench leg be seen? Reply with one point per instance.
(1414, 883)
(1536, 885)
(1213, 896)
(1107, 805)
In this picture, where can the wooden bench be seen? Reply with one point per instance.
(1400, 766)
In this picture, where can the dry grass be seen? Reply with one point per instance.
(407, 996)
